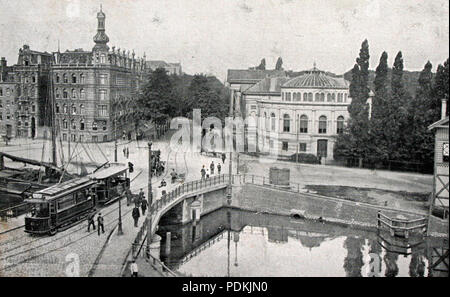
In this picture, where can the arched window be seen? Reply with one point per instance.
(82, 78)
(74, 94)
(303, 124)
(273, 121)
(322, 97)
(266, 118)
(72, 125)
(81, 109)
(282, 96)
(103, 58)
(74, 109)
(322, 125)
(74, 78)
(57, 93)
(310, 97)
(94, 126)
(288, 98)
(333, 97)
(57, 78)
(82, 94)
(305, 96)
(65, 94)
(65, 108)
(345, 97)
(299, 96)
(65, 124)
(57, 108)
(339, 97)
(329, 97)
(317, 97)
(81, 124)
(340, 125)
(65, 78)
(286, 123)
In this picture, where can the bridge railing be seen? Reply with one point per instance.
(401, 226)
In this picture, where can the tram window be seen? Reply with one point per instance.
(42, 210)
(81, 197)
(66, 202)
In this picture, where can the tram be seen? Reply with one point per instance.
(61, 206)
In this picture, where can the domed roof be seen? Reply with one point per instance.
(315, 78)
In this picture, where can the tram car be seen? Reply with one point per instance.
(61, 206)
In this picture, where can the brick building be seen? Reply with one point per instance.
(94, 91)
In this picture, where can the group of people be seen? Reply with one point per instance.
(141, 202)
(205, 172)
(100, 222)
(126, 152)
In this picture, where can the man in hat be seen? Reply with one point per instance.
(135, 214)
(91, 221)
(219, 168)
(203, 172)
(212, 167)
(100, 224)
(144, 204)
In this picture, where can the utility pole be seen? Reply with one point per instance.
(230, 170)
(150, 198)
(52, 101)
(119, 227)
(115, 137)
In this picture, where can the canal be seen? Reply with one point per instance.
(231, 242)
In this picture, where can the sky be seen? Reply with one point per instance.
(211, 36)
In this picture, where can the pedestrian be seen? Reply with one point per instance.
(128, 153)
(135, 214)
(140, 198)
(207, 173)
(203, 172)
(223, 158)
(91, 220)
(212, 167)
(173, 174)
(219, 168)
(134, 269)
(124, 152)
(129, 196)
(100, 224)
(144, 204)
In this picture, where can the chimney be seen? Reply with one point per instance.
(444, 108)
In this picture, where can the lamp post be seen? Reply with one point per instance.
(119, 228)
(150, 198)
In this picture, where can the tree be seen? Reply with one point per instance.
(279, 65)
(379, 151)
(440, 90)
(357, 143)
(262, 65)
(156, 101)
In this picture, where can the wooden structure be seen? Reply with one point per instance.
(401, 226)
(440, 191)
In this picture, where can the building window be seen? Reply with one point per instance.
(64, 108)
(65, 124)
(317, 97)
(81, 138)
(74, 79)
(57, 93)
(33, 79)
(105, 138)
(74, 94)
(1, 92)
(285, 146)
(333, 97)
(81, 109)
(102, 94)
(74, 110)
(286, 123)
(302, 147)
(273, 121)
(303, 124)
(345, 97)
(82, 78)
(340, 125)
(57, 108)
(102, 110)
(103, 79)
(74, 137)
(102, 59)
(328, 97)
(322, 125)
(82, 94)
(339, 99)
(310, 97)
(64, 136)
(282, 96)
(81, 125)
(57, 79)
(305, 97)
(94, 138)
(65, 78)
(445, 152)
(65, 94)
(322, 97)
(33, 108)
(94, 126)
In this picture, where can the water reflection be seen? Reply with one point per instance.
(231, 242)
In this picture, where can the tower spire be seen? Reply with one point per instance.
(101, 39)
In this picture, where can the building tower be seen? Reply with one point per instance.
(100, 50)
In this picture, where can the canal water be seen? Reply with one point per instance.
(230, 242)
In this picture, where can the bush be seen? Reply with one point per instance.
(305, 158)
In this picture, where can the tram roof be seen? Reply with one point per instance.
(62, 189)
(113, 169)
